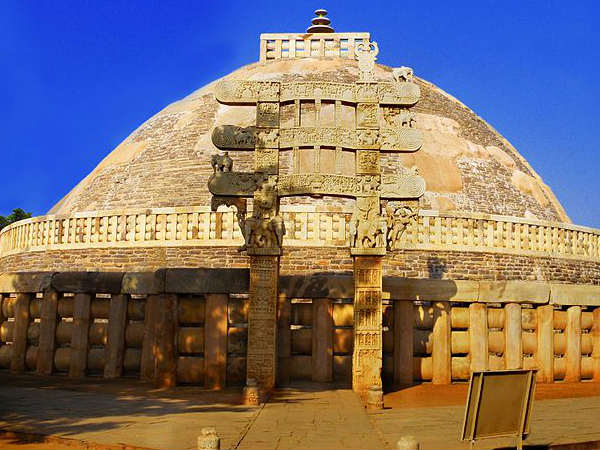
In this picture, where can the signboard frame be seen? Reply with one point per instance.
(499, 405)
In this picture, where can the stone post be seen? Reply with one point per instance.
(79, 338)
(573, 352)
(478, 336)
(545, 344)
(596, 343)
(513, 339)
(368, 345)
(261, 359)
(165, 351)
(284, 339)
(442, 345)
(115, 346)
(215, 340)
(48, 323)
(322, 340)
(19, 347)
(404, 317)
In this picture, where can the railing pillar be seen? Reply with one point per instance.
(48, 323)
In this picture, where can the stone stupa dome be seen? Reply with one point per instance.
(467, 165)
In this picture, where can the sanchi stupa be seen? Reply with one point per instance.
(311, 216)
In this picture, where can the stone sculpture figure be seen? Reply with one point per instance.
(366, 53)
(365, 225)
(405, 118)
(221, 163)
(403, 74)
(264, 229)
(397, 220)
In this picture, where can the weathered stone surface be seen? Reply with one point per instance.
(143, 282)
(182, 131)
(516, 291)
(569, 294)
(431, 290)
(317, 286)
(215, 281)
(25, 282)
(88, 282)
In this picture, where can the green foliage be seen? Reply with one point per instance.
(16, 215)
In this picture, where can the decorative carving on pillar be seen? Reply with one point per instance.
(397, 219)
(366, 53)
(367, 229)
(263, 232)
(367, 358)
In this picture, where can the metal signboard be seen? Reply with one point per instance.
(499, 405)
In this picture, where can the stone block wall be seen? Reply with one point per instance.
(189, 326)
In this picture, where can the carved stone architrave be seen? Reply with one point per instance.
(239, 184)
(323, 90)
(402, 139)
(246, 92)
(233, 137)
(367, 356)
(261, 359)
(402, 186)
(251, 92)
(398, 93)
(367, 92)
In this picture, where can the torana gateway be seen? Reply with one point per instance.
(312, 216)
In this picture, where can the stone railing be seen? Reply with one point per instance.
(198, 226)
(302, 45)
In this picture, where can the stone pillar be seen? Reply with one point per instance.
(513, 336)
(368, 343)
(284, 340)
(19, 346)
(79, 338)
(545, 344)
(165, 351)
(150, 318)
(573, 352)
(215, 340)
(478, 336)
(48, 323)
(404, 317)
(596, 344)
(261, 359)
(442, 344)
(322, 340)
(115, 345)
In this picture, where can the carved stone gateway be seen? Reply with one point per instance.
(371, 233)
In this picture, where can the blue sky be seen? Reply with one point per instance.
(78, 76)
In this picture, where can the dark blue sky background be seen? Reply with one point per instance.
(77, 76)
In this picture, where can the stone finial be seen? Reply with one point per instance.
(209, 439)
(321, 23)
(408, 443)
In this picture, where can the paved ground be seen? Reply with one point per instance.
(312, 417)
(302, 417)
